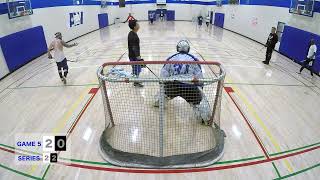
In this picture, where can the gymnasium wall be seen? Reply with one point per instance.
(255, 20)
(252, 18)
(54, 16)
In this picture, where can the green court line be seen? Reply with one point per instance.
(275, 167)
(10, 147)
(108, 164)
(217, 163)
(298, 172)
(240, 160)
(87, 162)
(19, 172)
(292, 150)
(45, 173)
(75, 85)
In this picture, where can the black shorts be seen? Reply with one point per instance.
(63, 64)
(188, 92)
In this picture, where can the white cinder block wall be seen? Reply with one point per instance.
(241, 18)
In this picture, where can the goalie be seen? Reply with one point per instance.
(191, 92)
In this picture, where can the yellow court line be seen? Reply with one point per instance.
(260, 121)
(62, 122)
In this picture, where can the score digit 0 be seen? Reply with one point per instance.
(54, 143)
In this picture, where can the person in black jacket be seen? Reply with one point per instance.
(134, 49)
(271, 43)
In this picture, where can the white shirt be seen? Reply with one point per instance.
(207, 19)
(58, 50)
(312, 51)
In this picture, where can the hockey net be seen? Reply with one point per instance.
(171, 122)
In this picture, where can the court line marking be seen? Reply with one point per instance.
(298, 172)
(253, 112)
(93, 93)
(277, 171)
(244, 66)
(261, 123)
(257, 84)
(20, 172)
(10, 149)
(304, 150)
(166, 171)
(256, 116)
(229, 90)
(62, 122)
(58, 86)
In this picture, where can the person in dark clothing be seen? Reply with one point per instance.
(161, 15)
(311, 57)
(151, 17)
(271, 43)
(200, 19)
(134, 49)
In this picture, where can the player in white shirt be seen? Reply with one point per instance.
(191, 92)
(311, 57)
(57, 47)
(208, 20)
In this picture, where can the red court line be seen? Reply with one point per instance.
(8, 150)
(229, 90)
(93, 91)
(171, 171)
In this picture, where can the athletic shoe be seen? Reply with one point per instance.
(136, 84)
(264, 62)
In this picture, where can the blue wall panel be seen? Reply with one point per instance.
(170, 15)
(219, 19)
(295, 43)
(103, 20)
(151, 12)
(21, 47)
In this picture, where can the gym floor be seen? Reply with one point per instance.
(269, 112)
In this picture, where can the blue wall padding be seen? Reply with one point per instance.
(150, 12)
(295, 42)
(21, 47)
(170, 15)
(103, 20)
(219, 19)
(158, 11)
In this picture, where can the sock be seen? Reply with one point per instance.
(65, 73)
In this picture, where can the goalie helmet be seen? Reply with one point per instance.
(183, 46)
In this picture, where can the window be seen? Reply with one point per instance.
(280, 29)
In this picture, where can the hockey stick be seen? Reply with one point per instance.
(72, 60)
(152, 72)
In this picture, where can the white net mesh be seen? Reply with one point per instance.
(170, 122)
